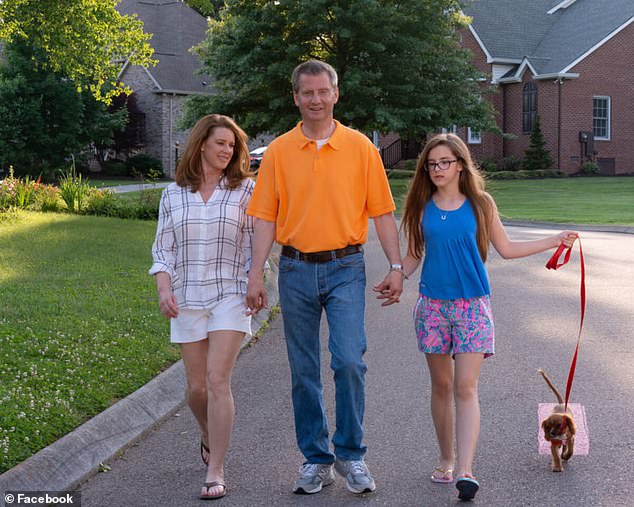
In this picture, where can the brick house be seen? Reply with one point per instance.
(568, 61)
(160, 91)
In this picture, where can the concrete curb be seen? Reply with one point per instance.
(67, 462)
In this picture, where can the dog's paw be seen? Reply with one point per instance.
(557, 468)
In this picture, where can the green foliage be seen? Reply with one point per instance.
(511, 163)
(488, 165)
(537, 156)
(43, 118)
(79, 327)
(400, 65)
(210, 8)
(590, 167)
(26, 194)
(85, 40)
(73, 190)
(115, 167)
(143, 165)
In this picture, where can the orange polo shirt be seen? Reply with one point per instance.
(321, 199)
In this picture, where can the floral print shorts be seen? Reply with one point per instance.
(454, 326)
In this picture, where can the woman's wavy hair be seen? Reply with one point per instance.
(471, 184)
(189, 171)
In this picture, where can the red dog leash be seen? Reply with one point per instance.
(554, 263)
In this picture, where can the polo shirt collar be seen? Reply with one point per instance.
(336, 140)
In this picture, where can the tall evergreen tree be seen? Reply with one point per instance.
(399, 61)
(536, 155)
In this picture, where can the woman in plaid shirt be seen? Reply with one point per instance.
(202, 253)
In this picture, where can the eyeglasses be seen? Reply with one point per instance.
(441, 165)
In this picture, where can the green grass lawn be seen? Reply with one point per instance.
(596, 200)
(79, 326)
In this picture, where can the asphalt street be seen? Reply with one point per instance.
(537, 318)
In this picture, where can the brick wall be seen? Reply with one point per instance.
(162, 113)
(606, 72)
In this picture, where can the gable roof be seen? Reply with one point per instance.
(175, 29)
(550, 36)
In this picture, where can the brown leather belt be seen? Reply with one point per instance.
(325, 256)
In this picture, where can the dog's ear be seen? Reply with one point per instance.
(570, 424)
(546, 425)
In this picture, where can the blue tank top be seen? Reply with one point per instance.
(452, 267)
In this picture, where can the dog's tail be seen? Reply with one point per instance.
(550, 384)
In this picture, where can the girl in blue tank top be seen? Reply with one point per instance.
(450, 220)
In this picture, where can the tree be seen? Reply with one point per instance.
(399, 62)
(536, 155)
(210, 8)
(44, 119)
(84, 40)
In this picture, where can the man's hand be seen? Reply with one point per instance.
(390, 288)
(256, 293)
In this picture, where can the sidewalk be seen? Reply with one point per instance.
(121, 189)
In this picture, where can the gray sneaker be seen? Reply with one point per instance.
(312, 477)
(357, 475)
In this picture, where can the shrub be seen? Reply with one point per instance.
(488, 165)
(116, 168)
(47, 199)
(511, 163)
(590, 167)
(101, 202)
(142, 165)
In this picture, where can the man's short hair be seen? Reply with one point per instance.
(313, 67)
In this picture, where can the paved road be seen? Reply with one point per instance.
(536, 313)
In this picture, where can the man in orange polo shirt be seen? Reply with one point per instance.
(317, 186)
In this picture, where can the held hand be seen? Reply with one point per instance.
(168, 304)
(567, 238)
(256, 298)
(390, 288)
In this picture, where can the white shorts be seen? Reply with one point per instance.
(227, 314)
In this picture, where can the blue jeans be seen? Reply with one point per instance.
(306, 289)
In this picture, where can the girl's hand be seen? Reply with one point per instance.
(567, 238)
(390, 288)
(168, 304)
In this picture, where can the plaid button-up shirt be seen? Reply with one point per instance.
(205, 247)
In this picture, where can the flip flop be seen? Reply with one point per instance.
(442, 475)
(204, 449)
(214, 484)
(467, 487)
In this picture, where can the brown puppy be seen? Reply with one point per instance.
(559, 429)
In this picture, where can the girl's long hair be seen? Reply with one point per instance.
(471, 184)
(189, 171)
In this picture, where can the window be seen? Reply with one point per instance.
(474, 136)
(452, 130)
(601, 117)
(529, 107)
